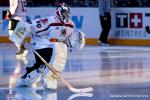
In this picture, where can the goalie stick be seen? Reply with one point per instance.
(71, 88)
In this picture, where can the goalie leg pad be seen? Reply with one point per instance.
(49, 82)
(58, 61)
(28, 79)
(60, 56)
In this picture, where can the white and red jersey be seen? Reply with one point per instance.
(18, 8)
(44, 29)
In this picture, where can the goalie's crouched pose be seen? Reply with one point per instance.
(42, 31)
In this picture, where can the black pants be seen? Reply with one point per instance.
(45, 53)
(105, 25)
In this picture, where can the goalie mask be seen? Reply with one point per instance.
(63, 12)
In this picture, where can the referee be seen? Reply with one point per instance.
(105, 20)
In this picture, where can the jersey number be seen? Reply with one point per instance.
(41, 22)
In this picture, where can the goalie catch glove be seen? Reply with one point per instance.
(76, 41)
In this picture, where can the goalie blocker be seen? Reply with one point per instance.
(20, 31)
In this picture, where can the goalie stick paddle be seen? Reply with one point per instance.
(71, 88)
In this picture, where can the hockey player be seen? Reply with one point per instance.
(17, 11)
(59, 27)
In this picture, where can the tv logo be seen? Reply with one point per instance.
(133, 20)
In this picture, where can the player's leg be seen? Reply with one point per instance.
(28, 79)
(33, 74)
(21, 48)
(58, 60)
(11, 27)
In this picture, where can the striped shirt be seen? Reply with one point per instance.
(104, 6)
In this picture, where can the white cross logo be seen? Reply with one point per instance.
(136, 20)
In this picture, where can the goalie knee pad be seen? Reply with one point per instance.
(49, 80)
